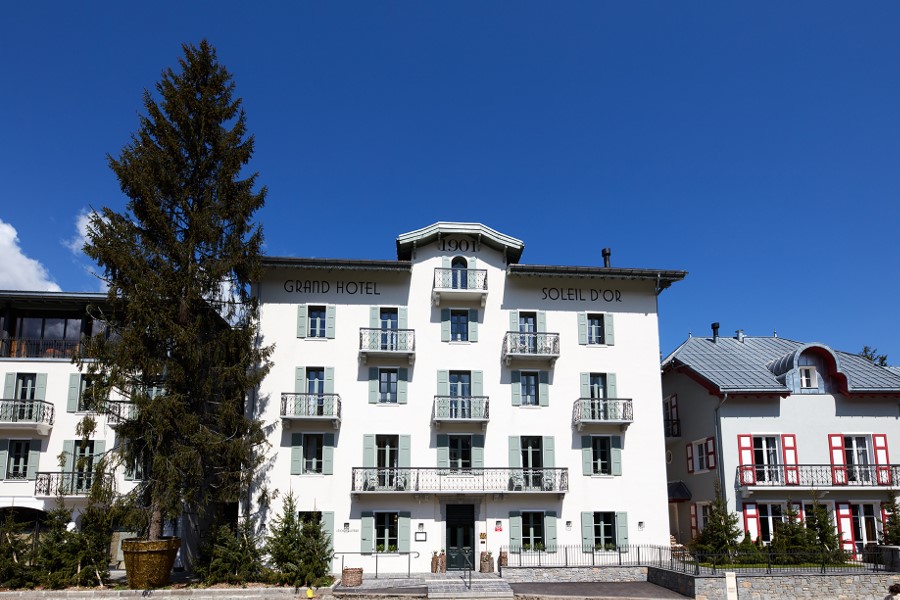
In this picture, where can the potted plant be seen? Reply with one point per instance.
(442, 562)
(176, 335)
(434, 561)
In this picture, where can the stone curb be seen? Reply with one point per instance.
(193, 594)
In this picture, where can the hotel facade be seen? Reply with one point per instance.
(455, 399)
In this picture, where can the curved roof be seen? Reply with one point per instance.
(406, 242)
(791, 360)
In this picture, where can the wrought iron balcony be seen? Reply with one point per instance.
(38, 348)
(387, 343)
(817, 476)
(78, 483)
(597, 411)
(672, 428)
(26, 415)
(311, 407)
(460, 409)
(117, 411)
(459, 284)
(460, 481)
(538, 346)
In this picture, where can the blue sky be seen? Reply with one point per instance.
(755, 145)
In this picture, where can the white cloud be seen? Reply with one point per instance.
(17, 271)
(76, 243)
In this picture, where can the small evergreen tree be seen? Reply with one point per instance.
(748, 552)
(891, 526)
(284, 543)
(315, 552)
(56, 558)
(232, 555)
(16, 570)
(718, 539)
(791, 542)
(822, 532)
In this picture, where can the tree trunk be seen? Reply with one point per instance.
(156, 523)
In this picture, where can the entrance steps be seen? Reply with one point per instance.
(455, 584)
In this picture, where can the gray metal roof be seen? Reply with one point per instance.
(512, 247)
(757, 364)
(663, 277)
(342, 264)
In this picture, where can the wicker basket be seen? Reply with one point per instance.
(147, 564)
(351, 577)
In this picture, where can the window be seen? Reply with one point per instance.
(84, 465)
(702, 515)
(17, 467)
(528, 384)
(313, 445)
(387, 458)
(460, 450)
(701, 455)
(527, 329)
(865, 527)
(532, 530)
(317, 316)
(595, 331)
(602, 455)
(460, 273)
(808, 379)
(26, 385)
(605, 530)
(769, 515)
(309, 516)
(765, 458)
(857, 457)
(460, 394)
(386, 531)
(459, 325)
(389, 323)
(84, 393)
(387, 386)
(532, 461)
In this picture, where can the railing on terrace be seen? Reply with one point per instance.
(459, 481)
(64, 483)
(531, 344)
(602, 410)
(460, 408)
(460, 279)
(672, 428)
(383, 555)
(387, 340)
(118, 411)
(26, 411)
(311, 406)
(818, 475)
(38, 348)
(756, 561)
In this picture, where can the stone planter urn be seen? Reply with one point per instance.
(351, 576)
(487, 562)
(148, 563)
(442, 563)
(435, 562)
(504, 558)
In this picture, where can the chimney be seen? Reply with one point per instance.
(715, 328)
(606, 254)
(739, 334)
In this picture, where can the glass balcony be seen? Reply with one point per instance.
(600, 411)
(460, 409)
(530, 346)
(311, 407)
(34, 416)
(452, 285)
(387, 343)
(370, 480)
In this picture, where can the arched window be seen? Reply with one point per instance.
(460, 273)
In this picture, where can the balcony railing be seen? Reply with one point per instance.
(27, 414)
(64, 484)
(38, 348)
(588, 411)
(387, 342)
(459, 284)
(531, 345)
(313, 407)
(818, 475)
(460, 481)
(117, 411)
(672, 427)
(460, 409)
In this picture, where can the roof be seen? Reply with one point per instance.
(510, 246)
(18, 298)
(758, 365)
(664, 278)
(678, 491)
(336, 264)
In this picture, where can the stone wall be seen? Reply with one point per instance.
(701, 588)
(573, 574)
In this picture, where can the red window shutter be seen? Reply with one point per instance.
(836, 452)
(689, 451)
(745, 454)
(673, 407)
(710, 453)
(882, 462)
(751, 520)
(694, 528)
(789, 458)
(845, 526)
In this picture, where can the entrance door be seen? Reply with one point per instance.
(460, 537)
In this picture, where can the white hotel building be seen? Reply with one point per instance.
(456, 399)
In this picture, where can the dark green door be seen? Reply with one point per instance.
(460, 537)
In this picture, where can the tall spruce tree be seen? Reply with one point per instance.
(718, 538)
(181, 324)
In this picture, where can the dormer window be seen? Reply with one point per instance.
(808, 379)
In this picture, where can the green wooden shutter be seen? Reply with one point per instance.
(9, 387)
(302, 321)
(443, 451)
(477, 383)
(404, 454)
(615, 444)
(445, 262)
(515, 531)
(443, 383)
(328, 526)
(329, 381)
(611, 391)
(587, 531)
(609, 337)
(622, 530)
(473, 324)
(296, 453)
(445, 324)
(402, 317)
(544, 388)
(547, 446)
(74, 392)
(478, 451)
(373, 385)
(368, 451)
(472, 262)
(514, 320)
(329, 322)
(34, 457)
(582, 328)
(374, 317)
(515, 385)
(4, 458)
(328, 454)
(587, 455)
(367, 531)
(69, 454)
(300, 380)
(99, 448)
(40, 386)
(542, 320)
(585, 385)
(550, 531)
(403, 531)
(515, 452)
(402, 381)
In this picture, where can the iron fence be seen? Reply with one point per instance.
(460, 279)
(474, 480)
(516, 343)
(599, 410)
(311, 405)
(26, 411)
(387, 340)
(460, 408)
(818, 475)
